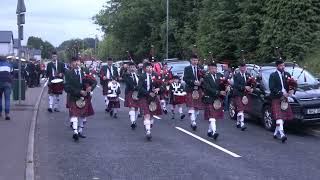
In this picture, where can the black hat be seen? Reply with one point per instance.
(194, 56)
(242, 64)
(279, 61)
(147, 64)
(131, 64)
(74, 59)
(54, 53)
(212, 64)
(109, 59)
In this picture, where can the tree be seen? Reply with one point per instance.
(47, 49)
(34, 42)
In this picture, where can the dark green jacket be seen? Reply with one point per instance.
(275, 84)
(239, 84)
(211, 88)
(73, 86)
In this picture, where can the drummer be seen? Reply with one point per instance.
(55, 72)
(177, 97)
(113, 97)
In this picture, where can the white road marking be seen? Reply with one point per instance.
(209, 143)
(98, 86)
(45, 84)
(157, 117)
(121, 98)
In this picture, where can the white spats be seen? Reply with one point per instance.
(132, 116)
(74, 121)
(212, 125)
(81, 123)
(147, 124)
(56, 101)
(180, 109)
(51, 101)
(106, 101)
(279, 128)
(163, 104)
(240, 118)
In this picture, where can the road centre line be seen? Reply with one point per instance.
(208, 142)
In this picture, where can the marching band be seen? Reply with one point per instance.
(151, 87)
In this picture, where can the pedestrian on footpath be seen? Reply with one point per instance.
(5, 85)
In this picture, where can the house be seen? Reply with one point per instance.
(6, 42)
(36, 54)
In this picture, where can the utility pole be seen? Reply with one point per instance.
(167, 39)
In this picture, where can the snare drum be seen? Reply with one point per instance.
(57, 86)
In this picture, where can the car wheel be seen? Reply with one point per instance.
(268, 121)
(232, 111)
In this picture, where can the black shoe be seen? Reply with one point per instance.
(71, 125)
(172, 117)
(194, 127)
(139, 116)
(50, 110)
(111, 113)
(133, 126)
(115, 116)
(275, 136)
(82, 136)
(238, 126)
(7, 118)
(210, 134)
(107, 110)
(149, 136)
(243, 128)
(215, 136)
(165, 111)
(56, 110)
(182, 116)
(284, 139)
(75, 137)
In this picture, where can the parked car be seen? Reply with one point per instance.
(305, 103)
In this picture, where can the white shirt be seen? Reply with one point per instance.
(148, 82)
(134, 75)
(282, 85)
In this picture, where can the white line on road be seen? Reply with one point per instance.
(98, 86)
(45, 84)
(209, 143)
(121, 98)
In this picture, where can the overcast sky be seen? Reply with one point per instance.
(53, 20)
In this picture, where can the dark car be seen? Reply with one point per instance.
(305, 103)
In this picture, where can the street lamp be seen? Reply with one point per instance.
(21, 9)
(167, 40)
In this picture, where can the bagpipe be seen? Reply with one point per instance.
(88, 80)
(224, 85)
(152, 100)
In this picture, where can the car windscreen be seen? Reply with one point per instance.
(303, 77)
(178, 66)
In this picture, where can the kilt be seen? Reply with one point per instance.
(56, 88)
(240, 106)
(114, 102)
(198, 104)
(144, 106)
(165, 95)
(129, 102)
(278, 113)
(77, 112)
(104, 85)
(210, 112)
(176, 100)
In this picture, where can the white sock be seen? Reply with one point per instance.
(163, 104)
(81, 124)
(192, 117)
(280, 122)
(56, 102)
(106, 101)
(74, 121)
(147, 124)
(180, 109)
(115, 110)
(51, 101)
(132, 116)
(213, 125)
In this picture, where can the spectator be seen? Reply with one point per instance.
(5, 85)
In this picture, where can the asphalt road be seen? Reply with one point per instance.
(113, 151)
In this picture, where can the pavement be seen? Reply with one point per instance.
(14, 137)
(113, 151)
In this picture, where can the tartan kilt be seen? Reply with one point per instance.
(77, 112)
(198, 104)
(68, 104)
(144, 106)
(55, 89)
(165, 95)
(176, 100)
(114, 102)
(278, 113)
(240, 106)
(129, 102)
(210, 112)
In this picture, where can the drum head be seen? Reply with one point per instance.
(54, 81)
(111, 95)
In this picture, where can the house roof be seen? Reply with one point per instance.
(6, 36)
